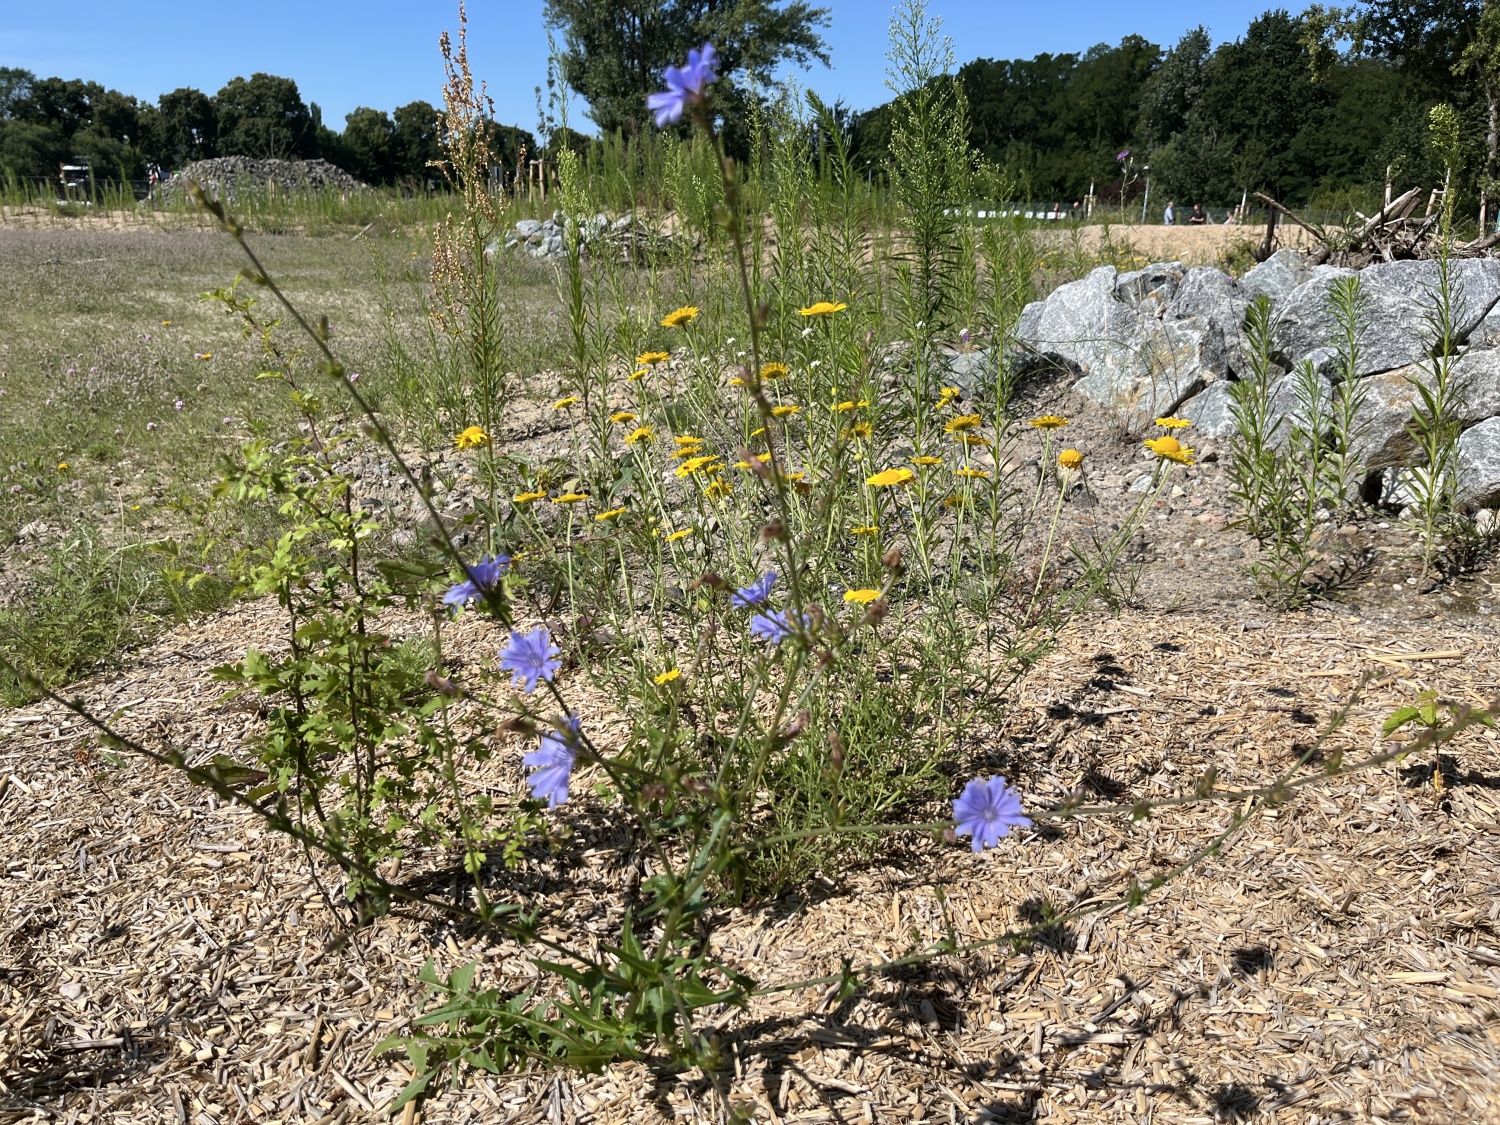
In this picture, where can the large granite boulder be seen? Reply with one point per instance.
(1396, 327)
(1479, 464)
(1211, 295)
(1382, 434)
(1113, 331)
(1277, 276)
(1211, 412)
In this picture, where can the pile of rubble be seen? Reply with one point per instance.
(630, 239)
(232, 178)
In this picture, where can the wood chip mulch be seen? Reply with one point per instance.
(163, 960)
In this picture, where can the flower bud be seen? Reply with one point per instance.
(440, 683)
(653, 791)
(773, 532)
(712, 580)
(835, 750)
(891, 560)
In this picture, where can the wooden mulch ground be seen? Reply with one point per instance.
(162, 960)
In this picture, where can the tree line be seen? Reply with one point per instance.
(1304, 107)
(45, 122)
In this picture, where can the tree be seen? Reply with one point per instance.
(1482, 59)
(368, 138)
(1435, 41)
(415, 143)
(15, 90)
(185, 128)
(264, 116)
(1172, 91)
(616, 50)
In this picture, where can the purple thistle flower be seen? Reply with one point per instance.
(483, 576)
(987, 810)
(754, 594)
(684, 85)
(773, 628)
(1123, 155)
(552, 762)
(150, 425)
(177, 405)
(530, 657)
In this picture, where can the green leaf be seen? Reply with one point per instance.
(415, 1088)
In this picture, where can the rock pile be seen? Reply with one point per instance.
(627, 237)
(232, 177)
(1169, 339)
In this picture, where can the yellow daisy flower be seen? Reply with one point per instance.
(1049, 422)
(1171, 423)
(677, 318)
(651, 359)
(774, 371)
(947, 395)
(970, 439)
(622, 416)
(859, 430)
(862, 597)
(865, 529)
(890, 477)
(571, 497)
(564, 403)
(696, 464)
(612, 514)
(972, 474)
(668, 676)
(528, 497)
(641, 433)
(718, 490)
(1170, 449)
(823, 308)
(62, 466)
(679, 536)
(685, 440)
(784, 411)
(638, 373)
(961, 423)
(1070, 459)
(471, 438)
(926, 460)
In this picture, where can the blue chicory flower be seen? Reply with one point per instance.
(754, 594)
(775, 627)
(987, 810)
(482, 577)
(684, 84)
(552, 762)
(530, 657)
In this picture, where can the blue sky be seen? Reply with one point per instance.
(384, 53)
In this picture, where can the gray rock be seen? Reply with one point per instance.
(1479, 464)
(1285, 411)
(1030, 320)
(554, 245)
(1211, 294)
(1163, 367)
(1396, 328)
(1210, 412)
(528, 227)
(1277, 276)
(970, 371)
(1150, 289)
(1381, 435)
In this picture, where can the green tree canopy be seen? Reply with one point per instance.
(616, 50)
(264, 116)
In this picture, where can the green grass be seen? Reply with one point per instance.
(91, 377)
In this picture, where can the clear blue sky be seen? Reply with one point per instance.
(384, 53)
